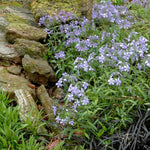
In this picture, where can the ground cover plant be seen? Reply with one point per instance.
(103, 67)
(14, 134)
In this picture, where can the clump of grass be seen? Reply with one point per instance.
(13, 132)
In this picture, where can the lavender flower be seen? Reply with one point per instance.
(82, 46)
(59, 83)
(101, 58)
(111, 81)
(71, 122)
(106, 10)
(118, 82)
(125, 68)
(85, 85)
(54, 110)
(147, 62)
(139, 66)
(60, 55)
(80, 63)
(70, 97)
(85, 100)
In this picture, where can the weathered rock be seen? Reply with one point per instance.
(5, 63)
(42, 7)
(15, 30)
(38, 70)
(27, 4)
(28, 109)
(19, 15)
(46, 102)
(3, 23)
(32, 48)
(7, 52)
(59, 93)
(14, 69)
(9, 83)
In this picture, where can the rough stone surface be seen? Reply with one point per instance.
(15, 30)
(19, 15)
(27, 4)
(32, 48)
(41, 7)
(38, 70)
(7, 51)
(46, 102)
(9, 83)
(3, 23)
(14, 69)
(29, 109)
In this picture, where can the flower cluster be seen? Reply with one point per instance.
(66, 79)
(61, 17)
(104, 49)
(75, 96)
(60, 55)
(115, 81)
(124, 54)
(81, 63)
(106, 10)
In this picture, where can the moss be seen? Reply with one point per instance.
(14, 18)
(12, 3)
(42, 7)
(18, 30)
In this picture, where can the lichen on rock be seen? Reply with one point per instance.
(30, 47)
(19, 30)
(42, 7)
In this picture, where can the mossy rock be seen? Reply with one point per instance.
(19, 30)
(9, 82)
(14, 18)
(7, 3)
(30, 47)
(42, 7)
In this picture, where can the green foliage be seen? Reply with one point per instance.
(112, 108)
(13, 132)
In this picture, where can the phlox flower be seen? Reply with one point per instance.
(60, 55)
(111, 81)
(54, 110)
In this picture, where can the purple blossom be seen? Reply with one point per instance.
(70, 97)
(85, 85)
(101, 58)
(81, 46)
(125, 68)
(139, 66)
(111, 81)
(118, 82)
(106, 10)
(75, 105)
(74, 90)
(59, 83)
(91, 57)
(60, 55)
(54, 110)
(147, 62)
(71, 122)
(80, 63)
(85, 100)
(58, 119)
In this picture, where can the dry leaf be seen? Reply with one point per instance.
(53, 144)
(31, 86)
